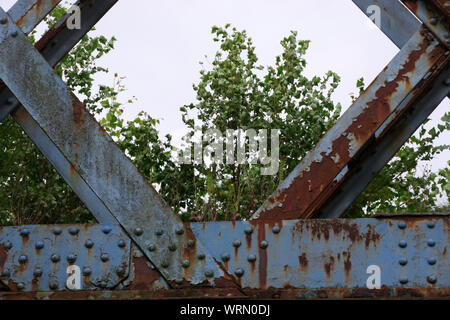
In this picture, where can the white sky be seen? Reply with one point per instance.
(160, 44)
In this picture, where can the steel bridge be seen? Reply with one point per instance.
(296, 246)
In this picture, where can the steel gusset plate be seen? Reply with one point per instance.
(332, 253)
(37, 257)
(91, 155)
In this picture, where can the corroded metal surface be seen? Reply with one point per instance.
(92, 155)
(312, 182)
(36, 257)
(331, 253)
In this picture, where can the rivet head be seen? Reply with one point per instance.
(5, 274)
(73, 231)
(276, 229)
(403, 261)
(209, 273)
(251, 258)
(103, 284)
(402, 244)
(138, 231)
(402, 225)
(447, 82)
(403, 280)
(190, 243)
(431, 225)
(185, 264)
(172, 247)
(225, 257)
(23, 259)
(37, 272)
(431, 242)
(447, 35)
(433, 21)
(239, 272)
(39, 245)
(57, 231)
(21, 286)
(3, 21)
(178, 281)
(7, 245)
(106, 229)
(87, 271)
(165, 263)
(151, 247)
(159, 232)
(25, 233)
(201, 256)
(55, 258)
(89, 243)
(236, 243)
(248, 230)
(431, 261)
(264, 244)
(431, 279)
(121, 243)
(120, 271)
(104, 257)
(53, 285)
(71, 258)
(14, 34)
(179, 231)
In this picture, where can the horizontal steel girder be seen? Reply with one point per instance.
(311, 184)
(312, 255)
(93, 156)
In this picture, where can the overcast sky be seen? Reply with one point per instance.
(160, 43)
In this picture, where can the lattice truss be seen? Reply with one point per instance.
(142, 249)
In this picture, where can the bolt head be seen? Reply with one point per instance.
(138, 231)
(251, 258)
(185, 264)
(39, 245)
(73, 231)
(431, 225)
(190, 243)
(37, 272)
(23, 259)
(431, 279)
(431, 243)
(402, 225)
(89, 243)
(264, 244)
(403, 261)
(55, 258)
(121, 243)
(57, 231)
(403, 280)
(104, 257)
(239, 272)
(248, 230)
(276, 229)
(106, 229)
(431, 261)
(25, 233)
(201, 256)
(225, 257)
(402, 244)
(87, 271)
(71, 258)
(236, 243)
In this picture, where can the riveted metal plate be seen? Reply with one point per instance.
(333, 253)
(37, 257)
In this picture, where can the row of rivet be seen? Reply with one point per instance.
(403, 244)
(88, 244)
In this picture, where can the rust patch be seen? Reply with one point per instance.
(3, 256)
(144, 276)
(329, 267)
(303, 262)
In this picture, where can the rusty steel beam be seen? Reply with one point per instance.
(58, 41)
(317, 176)
(90, 154)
